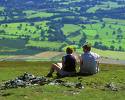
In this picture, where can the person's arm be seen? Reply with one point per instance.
(81, 60)
(97, 63)
(63, 61)
(96, 57)
(75, 58)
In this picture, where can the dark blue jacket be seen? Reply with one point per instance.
(69, 63)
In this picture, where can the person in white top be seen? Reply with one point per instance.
(89, 63)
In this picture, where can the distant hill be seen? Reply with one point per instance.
(33, 26)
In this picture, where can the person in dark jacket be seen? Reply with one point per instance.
(66, 67)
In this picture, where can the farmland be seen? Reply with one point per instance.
(33, 26)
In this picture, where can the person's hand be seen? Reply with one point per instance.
(79, 56)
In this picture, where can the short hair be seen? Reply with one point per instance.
(69, 50)
(87, 46)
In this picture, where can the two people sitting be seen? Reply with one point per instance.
(88, 63)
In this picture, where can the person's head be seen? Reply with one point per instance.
(86, 47)
(69, 50)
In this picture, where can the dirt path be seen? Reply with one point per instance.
(54, 55)
(112, 61)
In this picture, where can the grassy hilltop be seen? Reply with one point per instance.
(96, 87)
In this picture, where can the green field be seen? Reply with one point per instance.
(106, 53)
(69, 28)
(61, 24)
(1, 10)
(14, 30)
(94, 85)
(40, 14)
(109, 33)
(110, 54)
(108, 5)
(45, 44)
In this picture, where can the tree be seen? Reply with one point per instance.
(26, 29)
(5, 18)
(2, 31)
(19, 27)
(112, 47)
(113, 41)
(106, 33)
(110, 26)
(120, 48)
(83, 27)
(83, 39)
(119, 36)
(101, 46)
(119, 31)
(103, 25)
(113, 33)
(96, 36)
(32, 24)
(96, 44)
(6, 25)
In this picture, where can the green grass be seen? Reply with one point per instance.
(1, 18)
(8, 37)
(10, 47)
(107, 53)
(12, 31)
(110, 20)
(9, 70)
(110, 54)
(105, 33)
(33, 14)
(1, 8)
(69, 28)
(13, 43)
(76, 38)
(90, 32)
(3, 56)
(44, 44)
(104, 6)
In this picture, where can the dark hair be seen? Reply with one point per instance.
(88, 48)
(69, 50)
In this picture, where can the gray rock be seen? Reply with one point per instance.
(28, 80)
(111, 86)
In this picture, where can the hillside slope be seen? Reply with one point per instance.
(33, 26)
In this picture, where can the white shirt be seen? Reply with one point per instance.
(89, 65)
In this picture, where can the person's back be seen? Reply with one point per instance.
(88, 61)
(69, 63)
(89, 64)
(67, 67)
